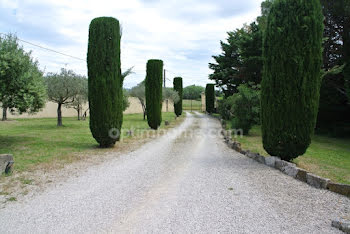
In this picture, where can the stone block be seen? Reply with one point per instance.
(317, 181)
(6, 162)
(343, 189)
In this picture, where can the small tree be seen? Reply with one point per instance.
(209, 98)
(62, 88)
(170, 94)
(139, 92)
(178, 87)
(291, 77)
(105, 80)
(81, 96)
(154, 81)
(22, 87)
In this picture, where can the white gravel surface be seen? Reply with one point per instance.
(179, 183)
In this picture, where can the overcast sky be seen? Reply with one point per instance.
(183, 33)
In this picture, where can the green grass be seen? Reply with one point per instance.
(196, 105)
(326, 156)
(35, 141)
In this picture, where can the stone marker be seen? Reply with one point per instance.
(342, 225)
(6, 162)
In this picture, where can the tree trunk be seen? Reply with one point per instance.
(4, 113)
(167, 102)
(191, 105)
(59, 115)
(78, 110)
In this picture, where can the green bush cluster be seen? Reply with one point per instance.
(153, 92)
(210, 98)
(242, 108)
(292, 54)
(178, 88)
(105, 80)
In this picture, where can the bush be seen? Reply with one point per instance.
(209, 98)
(154, 81)
(105, 80)
(291, 77)
(242, 108)
(178, 87)
(247, 108)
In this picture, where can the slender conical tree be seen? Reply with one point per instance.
(154, 82)
(177, 82)
(291, 76)
(105, 80)
(209, 98)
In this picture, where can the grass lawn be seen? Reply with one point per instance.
(196, 105)
(35, 141)
(327, 157)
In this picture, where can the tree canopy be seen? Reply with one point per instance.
(192, 92)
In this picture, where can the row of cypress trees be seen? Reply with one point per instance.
(106, 83)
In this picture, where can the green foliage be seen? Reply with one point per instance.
(192, 92)
(241, 60)
(210, 98)
(291, 76)
(139, 92)
(246, 108)
(242, 108)
(22, 87)
(63, 88)
(170, 94)
(81, 94)
(126, 102)
(178, 87)
(105, 80)
(153, 91)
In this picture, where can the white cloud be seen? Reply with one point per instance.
(184, 34)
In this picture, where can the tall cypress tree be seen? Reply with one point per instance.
(105, 80)
(178, 87)
(154, 82)
(291, 76)
(209, 98)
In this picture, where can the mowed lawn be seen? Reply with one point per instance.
(196, 105)
(327, 157)
(35, 141)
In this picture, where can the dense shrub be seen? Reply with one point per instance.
(242, 108)
(105, 80)
(154, 81)
(291, 76)
(178, 87)
(209, 98)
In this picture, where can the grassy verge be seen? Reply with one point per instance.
(326, 156)
(36, 141)
(196, 105)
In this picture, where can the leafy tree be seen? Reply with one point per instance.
(105, 80)
(240, 61)
(139, 92)
(63, 88)
(22, 88)
(178, 87)
(192, 92)
(81, 95)
(153, 83)
(170, 94)
(291, 80)
(126, 102)
(209, 98)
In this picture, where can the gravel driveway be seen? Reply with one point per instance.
(179, 183)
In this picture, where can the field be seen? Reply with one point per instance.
(326, 156)
(196, 105)
(35, 141)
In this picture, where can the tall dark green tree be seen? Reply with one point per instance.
(105, 80)
(209, 98)
(178, 87)
(154, 82)
(291, 76)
